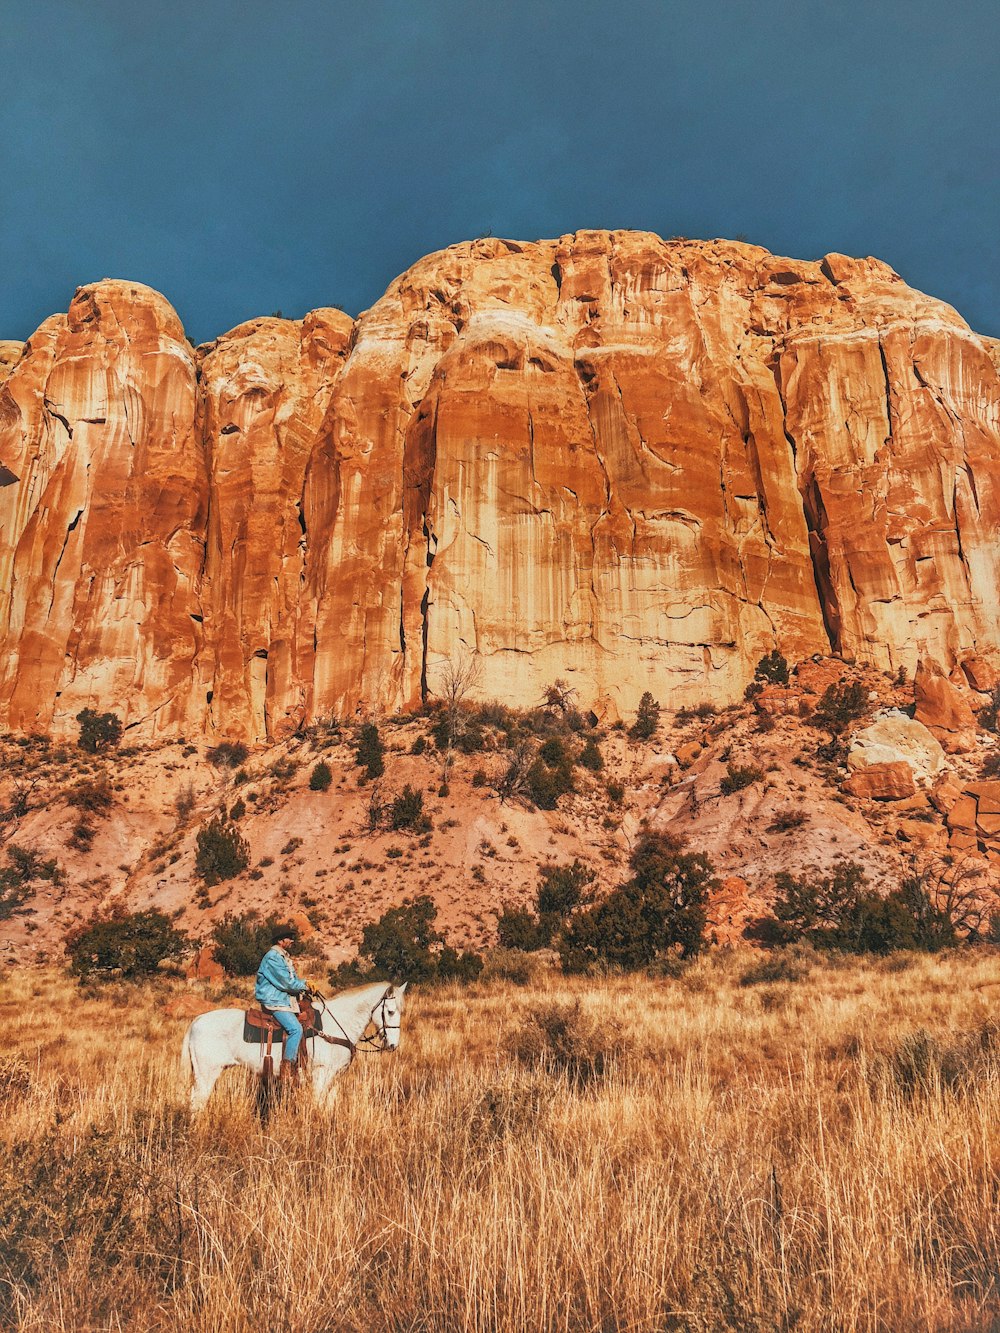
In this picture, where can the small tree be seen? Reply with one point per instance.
(840, 706)
(647, 719)
(130, 944)
(321, 777)
(660, 910)
(221, 852)
(403, 945)
(98, 731)
(371, 751)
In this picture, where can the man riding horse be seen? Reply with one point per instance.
(277, 990)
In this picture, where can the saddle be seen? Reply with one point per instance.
(261, 1028)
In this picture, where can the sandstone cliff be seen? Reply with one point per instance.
(629, 462)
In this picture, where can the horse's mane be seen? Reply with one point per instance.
(350, 991)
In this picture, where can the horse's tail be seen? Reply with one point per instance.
(187, 1064)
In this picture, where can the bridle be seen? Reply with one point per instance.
(372, 1043)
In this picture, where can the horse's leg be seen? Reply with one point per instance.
(205, 1078)
(324, 1086)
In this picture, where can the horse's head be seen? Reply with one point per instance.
(387, 1016)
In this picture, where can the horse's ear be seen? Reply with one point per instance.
(400, 989)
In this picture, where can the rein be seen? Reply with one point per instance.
(374, 1043)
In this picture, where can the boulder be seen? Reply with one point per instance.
(944, 710)
(205, 967)
(882, 782)
(893, 737)
(687, 753)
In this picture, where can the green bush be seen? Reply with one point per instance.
(403, 945)
(221, 852)
(95, 797)
(839, 911)
(739, 776)
(407, 811)
(321, 777)
(228, 754)
(24, 868)
(840, 706)
(772, 667)
(129, 944)
(517, 928)
(590, 756)
(989, 715)
(240, 941)
(98, 731)
(370, 753)
(660, 910)
(647, 719)
(561, 888)
(547, 783)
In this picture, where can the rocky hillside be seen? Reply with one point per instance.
(904, 780)
(632, 463)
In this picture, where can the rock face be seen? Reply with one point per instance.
(632, 463)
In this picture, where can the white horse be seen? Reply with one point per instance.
(214, 1041)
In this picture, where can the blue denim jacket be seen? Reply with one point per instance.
(277, 981)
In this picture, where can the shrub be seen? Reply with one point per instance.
(24, 868)
(407, 811)
(240, 941)
(786, 820)
(568, 1042)
(228, 754)
(772, 667)
(551, 774)
(321, 777)
(419, 745)
(989, 715)
(837, 911)
(647, 719)
(616, 792)
(517, 928)
(370, 751)
(991, 764)
(184, 801)
(591, 757)
(221, 852)
(561, 891)
(782, 965)
(98, 731)
(239, 809)
(661, 909)
(840, 706)
(131, 944)
(403, 945)
(739, 776)
(96, 798)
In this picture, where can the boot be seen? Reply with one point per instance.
(288, 1075)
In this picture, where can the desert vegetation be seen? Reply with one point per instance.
(813, 1149)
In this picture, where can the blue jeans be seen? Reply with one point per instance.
(293, 1027)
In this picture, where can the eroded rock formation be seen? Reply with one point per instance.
(632, 463)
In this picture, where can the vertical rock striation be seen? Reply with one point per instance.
(634, 463)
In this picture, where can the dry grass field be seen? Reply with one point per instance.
(675, 1154)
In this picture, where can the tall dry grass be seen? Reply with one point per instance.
(810, 1154)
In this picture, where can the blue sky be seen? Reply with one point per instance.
(249, 156)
